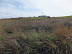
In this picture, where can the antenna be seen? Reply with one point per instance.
(42, 13)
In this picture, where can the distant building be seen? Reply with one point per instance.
(44, 16)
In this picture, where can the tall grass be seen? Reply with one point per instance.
(35, 36)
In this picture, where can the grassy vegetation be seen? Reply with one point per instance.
(38, 18)
(36, 36)
(63, 17)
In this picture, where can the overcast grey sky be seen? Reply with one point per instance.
(22, 8)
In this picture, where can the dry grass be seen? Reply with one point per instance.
(36, 36)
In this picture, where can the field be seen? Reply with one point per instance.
(36, 35)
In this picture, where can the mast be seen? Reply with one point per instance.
(42, 13)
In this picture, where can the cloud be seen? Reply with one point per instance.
(18, 8)
(9, 12)
(54, 7)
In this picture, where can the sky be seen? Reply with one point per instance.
(30, 8)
